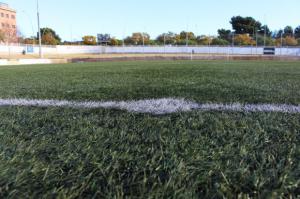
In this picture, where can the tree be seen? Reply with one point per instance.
(191, 35)
(167, 38)
(2, 36)
(49, 36)
(278, 34)
(204, 40)
(224, 34)
(243, 40)
(268, 41)
(287, 41)
(113, 42)
(89, 40)
(245, 25)
(138, 38)
(48, 39)
(297, 32)
(248, 25)
(128, 41)
(288, 31)
(9, 35)
(219, 42)
(31, 40)
(290, 41)
(265, 29)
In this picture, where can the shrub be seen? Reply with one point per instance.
(219, 42)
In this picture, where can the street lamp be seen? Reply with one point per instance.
(39, 30)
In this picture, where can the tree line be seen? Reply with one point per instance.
(246, 31)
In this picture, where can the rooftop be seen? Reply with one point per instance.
(6, 7)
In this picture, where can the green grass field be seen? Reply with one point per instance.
(107, 153)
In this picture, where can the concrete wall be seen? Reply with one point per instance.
(4, 49)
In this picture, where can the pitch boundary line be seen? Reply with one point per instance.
(154, 106)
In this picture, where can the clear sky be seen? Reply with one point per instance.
(74, 18)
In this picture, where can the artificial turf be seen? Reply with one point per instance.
(79, 153)
(202, 81)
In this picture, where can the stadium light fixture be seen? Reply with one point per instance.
(39, 29)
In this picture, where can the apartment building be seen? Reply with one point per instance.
(8, 22)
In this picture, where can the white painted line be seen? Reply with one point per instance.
(154, 106)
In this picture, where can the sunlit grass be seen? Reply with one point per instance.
(102, 153)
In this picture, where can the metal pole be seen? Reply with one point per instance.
(256, 40)
(71, 30)
(187, 38)
(281, 41)
(143, 43)
(39, 29)
(123, 38)
(164, 43)
(265, 36)
(232, 43)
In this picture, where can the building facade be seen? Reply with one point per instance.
(8, 23)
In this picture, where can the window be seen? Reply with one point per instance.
(2, 14)
(3, 25)
(7, 15)
(13, 26)
(13, 16)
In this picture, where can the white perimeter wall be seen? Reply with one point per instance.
(15, 49)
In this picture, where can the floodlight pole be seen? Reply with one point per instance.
(281, 41)
(164, 43)
(265, 32)
(187, 38)
(123, 38)
(39, 29)
(256, 40)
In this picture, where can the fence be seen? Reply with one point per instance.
(228, 50)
